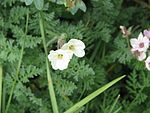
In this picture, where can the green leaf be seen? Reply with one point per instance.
(92, 96)
(39, 4)
(113, 105)
(28, 2)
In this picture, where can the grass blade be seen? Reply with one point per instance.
(1, 77)
(92, 96)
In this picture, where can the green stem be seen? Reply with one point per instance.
(15, 81)
(50, 84)
(18, 69)
(4, 96)
(10, 96)
(1, 77)
(51, 41)
(128, 42)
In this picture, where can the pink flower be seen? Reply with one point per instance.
(140, 44)
(147, 33)
(139, 55)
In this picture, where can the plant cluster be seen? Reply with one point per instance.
(29, 29)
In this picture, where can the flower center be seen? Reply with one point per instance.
(141, 45)
(71, 47)
(60, 56)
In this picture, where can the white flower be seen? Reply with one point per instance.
(140, 44)
(147, 63)
(59, 59)
(139, 55)
(76, 47)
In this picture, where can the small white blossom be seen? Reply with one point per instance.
(141, 43)
(75, 46)
(59, 59)
(147, 63)
(139, 55)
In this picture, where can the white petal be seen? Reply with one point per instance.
(77, 43)
(54, 66)
(146, 41)
(51, 56)
(59, 63)
(142, 56)
(62, 64)
(140, 37)
(65, 46)
(79, 53)
(70, 54)
(134, 42)
(147, 63)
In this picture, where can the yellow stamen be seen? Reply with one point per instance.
(60, 56)
(71, 47)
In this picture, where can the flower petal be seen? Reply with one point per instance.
(147, 63)
(134, 42)
(79, 53)
(51, 56)
(59, 62)
(142, 56)
(77, 43)
(147, 33)
(62, 64)
(140, 37)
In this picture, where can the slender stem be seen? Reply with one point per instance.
(4, 97)
(1, 77)
(128, 42)
(143, 3)
(51, 41)
(111, 68)
(10, 96)
(50, 84)
(18, 69)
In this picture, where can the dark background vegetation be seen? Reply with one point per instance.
(107, 56)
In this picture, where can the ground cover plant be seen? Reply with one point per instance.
(74, 56)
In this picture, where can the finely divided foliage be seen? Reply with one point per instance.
(107, 55)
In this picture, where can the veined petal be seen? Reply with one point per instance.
(134, 42)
